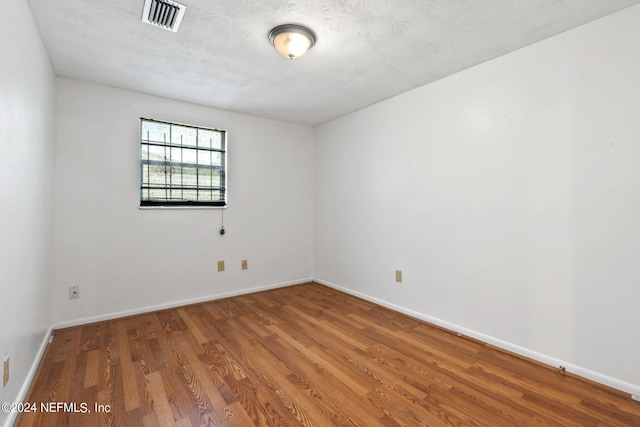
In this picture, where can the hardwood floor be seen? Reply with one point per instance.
(304, 355)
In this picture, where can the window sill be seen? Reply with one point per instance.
(144, 208)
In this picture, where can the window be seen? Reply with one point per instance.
(181, 165)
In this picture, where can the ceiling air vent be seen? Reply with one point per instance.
(165, 14)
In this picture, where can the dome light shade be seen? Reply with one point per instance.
(291, 40)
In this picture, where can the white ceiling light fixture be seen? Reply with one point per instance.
(292, 40)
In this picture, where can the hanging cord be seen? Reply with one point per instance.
(222, 225)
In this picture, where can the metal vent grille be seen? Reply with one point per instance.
(165, 14)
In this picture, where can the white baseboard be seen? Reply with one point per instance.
(624, 386)
(149, 309)
(22, 394)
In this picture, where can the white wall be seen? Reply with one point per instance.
(509, 195)
(125, 259)
(26, 135)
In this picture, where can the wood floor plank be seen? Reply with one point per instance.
(159, 399)
(130, 381)
(304, 355)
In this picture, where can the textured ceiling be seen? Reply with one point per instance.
(367, 50)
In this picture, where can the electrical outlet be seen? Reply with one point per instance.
(74, 292)
(244, 264)
(399, 276)
(220, 265)
(5, 372)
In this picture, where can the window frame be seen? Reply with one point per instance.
(178, 203)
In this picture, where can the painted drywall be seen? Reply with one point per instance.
(126, 259)
(26, 146)
(509, 196)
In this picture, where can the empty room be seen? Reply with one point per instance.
(320, 213)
